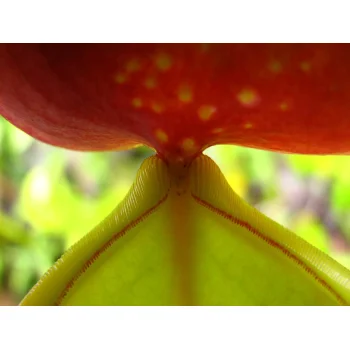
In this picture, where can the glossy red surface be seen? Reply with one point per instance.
(180, 99)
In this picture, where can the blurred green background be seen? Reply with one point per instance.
(50, 197)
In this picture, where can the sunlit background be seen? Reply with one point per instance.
(50, 198)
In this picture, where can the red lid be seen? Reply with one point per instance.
(180, 98)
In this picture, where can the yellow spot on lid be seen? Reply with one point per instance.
(163, 62)
(133, 66)
(157, 107)
(120, 78)
(204, 47)
(217, 130)
(185, 94)
(205, 112)
(137, 102)
(150, 83)
(284, 106)
(189, 145)
(248, 125)
(247, 97)
(161, 135)
(275, 66)
(305, 66)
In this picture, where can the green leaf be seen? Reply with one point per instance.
(22, 271)
(12, 231)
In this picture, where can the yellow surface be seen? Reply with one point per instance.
(183, 237)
